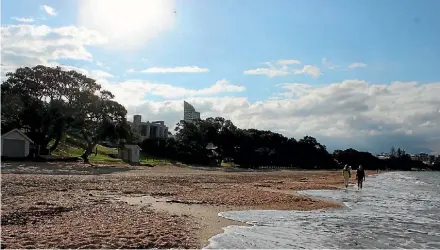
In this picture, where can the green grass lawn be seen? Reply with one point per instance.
(74, 147)
(68, 150)
(72, 151)
(227, 164)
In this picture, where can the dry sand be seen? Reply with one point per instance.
(71, 205)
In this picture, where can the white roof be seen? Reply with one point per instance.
(132, 146)
(16, 130)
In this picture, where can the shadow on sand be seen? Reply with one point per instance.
(60, 168)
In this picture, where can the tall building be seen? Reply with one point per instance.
(156, 129)
(189, 112)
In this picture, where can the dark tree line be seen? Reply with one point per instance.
(49, 102)
(252, 148)
(398, 160)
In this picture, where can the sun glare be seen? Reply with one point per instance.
(127, 23)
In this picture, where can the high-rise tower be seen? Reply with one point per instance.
(189, 112)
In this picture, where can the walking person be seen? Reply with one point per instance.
(360, 176)
(347, 174)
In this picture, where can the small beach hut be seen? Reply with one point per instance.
(15, 144)
(130, 153)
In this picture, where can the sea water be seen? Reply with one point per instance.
(394, 210)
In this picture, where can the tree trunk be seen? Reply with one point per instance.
(90, 145)
(88, 151)
(43, 147)
(57, 141)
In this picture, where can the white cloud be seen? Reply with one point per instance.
(278, 68)
(183, 69)
(29, 45)
(102, 65)
(49, 10)
(130, 70)
(23, 19)
(352, 113)
(101, 74)
(128, 24)
(288, 61)
(294, 89)
(357, 65)
(329, 64)
(270, 72)
(281, 68)
(134, 91)
(309, 70)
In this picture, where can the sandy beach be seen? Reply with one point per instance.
(72, 205)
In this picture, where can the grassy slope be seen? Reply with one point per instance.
(65, 149)
(74, 147)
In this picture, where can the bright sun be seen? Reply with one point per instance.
(127, 23)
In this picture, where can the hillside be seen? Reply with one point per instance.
(69, 149)
(72, 146)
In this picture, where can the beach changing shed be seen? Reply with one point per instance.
(130, 153)
(15, 144)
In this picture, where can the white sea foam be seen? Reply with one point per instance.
(392, 211)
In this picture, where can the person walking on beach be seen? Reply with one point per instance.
(360, 176)
(347, 174)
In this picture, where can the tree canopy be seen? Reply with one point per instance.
(250, 148)
(48, 102)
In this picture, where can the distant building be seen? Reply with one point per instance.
(189, 112)
(383, 156)
(155, 129)
(421, 157)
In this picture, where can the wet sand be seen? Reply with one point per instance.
(67, 205)
(206, 216)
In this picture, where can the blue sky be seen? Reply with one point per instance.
(378, 42)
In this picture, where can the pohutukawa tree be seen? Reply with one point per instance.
(49, 102)
(98, 118)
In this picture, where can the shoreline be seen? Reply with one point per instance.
(209, 223)
(135, 203)
(367, 207)
(290, 192)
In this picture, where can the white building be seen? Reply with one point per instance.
(130, 153)
(189, 112)
(15, 144)
(155, 129)
(383, 156)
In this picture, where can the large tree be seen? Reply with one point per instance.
(43, 100)
(99, 118)
(49, 102)
(223, 134)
